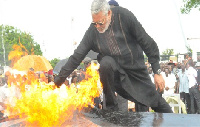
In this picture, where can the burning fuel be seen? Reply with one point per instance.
(43, 104)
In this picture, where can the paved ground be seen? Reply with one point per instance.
(119, 119)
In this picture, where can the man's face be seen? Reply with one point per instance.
(166, 72)
(101, 21)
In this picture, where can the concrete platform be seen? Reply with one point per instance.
(149, 119)
(119, 119)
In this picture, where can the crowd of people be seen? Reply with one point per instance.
(182, 78)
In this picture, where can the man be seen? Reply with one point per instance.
(193, 91)
(198, 74)
(120, 41)
(170, 81)
(184, 87)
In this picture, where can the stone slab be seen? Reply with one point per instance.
(122, 119)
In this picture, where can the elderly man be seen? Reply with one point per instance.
(120, 40)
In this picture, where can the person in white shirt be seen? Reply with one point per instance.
(194, 93)
(184, 87)
(151, 74)
(170, 80)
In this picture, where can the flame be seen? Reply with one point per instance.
(16, 54)
(44, 105)
(18, 51)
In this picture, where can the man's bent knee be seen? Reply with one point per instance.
(107, 62)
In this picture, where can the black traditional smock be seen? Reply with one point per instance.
(125, 40)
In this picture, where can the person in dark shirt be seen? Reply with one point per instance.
(119, 38)
(198, 74)
(113, 3)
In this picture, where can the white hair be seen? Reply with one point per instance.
(100, 5)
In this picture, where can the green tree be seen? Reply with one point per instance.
(168, 52)
(54, 61)
(189, 4)
(11, 36)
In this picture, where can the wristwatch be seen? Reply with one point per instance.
(158, 71)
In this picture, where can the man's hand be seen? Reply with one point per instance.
(159, 82)
(59, 81)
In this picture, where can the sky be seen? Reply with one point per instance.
(57, 24)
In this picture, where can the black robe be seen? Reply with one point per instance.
(125, 40)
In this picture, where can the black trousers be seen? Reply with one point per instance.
(194, 97)
(141, 108)
(110, 79)
(185, 97)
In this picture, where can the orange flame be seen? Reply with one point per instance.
(44, 105)
(15, 55)
(18, 51)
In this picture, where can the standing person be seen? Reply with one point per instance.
(198, 74)
(194, 93)
(184, 87)
(170, 81)
(113, 3)
(151, 74)
(120, 40)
